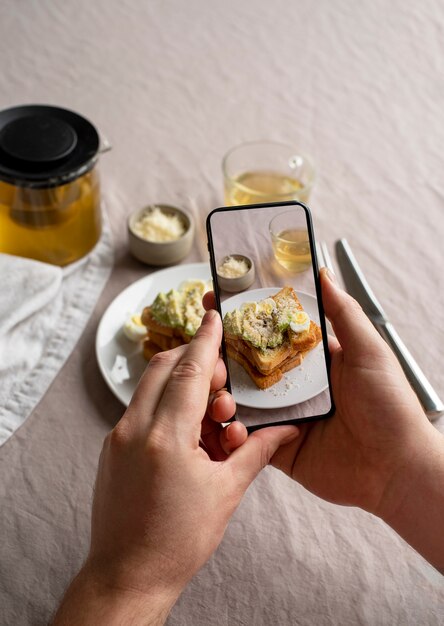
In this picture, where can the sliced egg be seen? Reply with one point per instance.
(299, 322)
(133, 328)
(194, 284)
(267, 306)
(249, 307)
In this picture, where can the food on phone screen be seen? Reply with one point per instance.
(235, 272)
(174, 317)
(233, 267)
(270, 337)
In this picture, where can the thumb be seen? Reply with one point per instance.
(354, 331)
(248, 460)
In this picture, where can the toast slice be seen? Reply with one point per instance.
(263, 360)
(284, 295)
(152, 324)
(174, 317)
(264, 381)
(150, 349)
(266, 360)
(300, 341)
(267, 365)
(163, 341)
(307, 340)
(156, 329)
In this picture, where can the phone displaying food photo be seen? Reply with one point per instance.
(266, 284)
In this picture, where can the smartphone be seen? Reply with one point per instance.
(267, 290)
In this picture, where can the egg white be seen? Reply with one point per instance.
(133, 328)
(300, 322)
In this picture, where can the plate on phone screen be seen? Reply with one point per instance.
(297, 385)
(120, 360)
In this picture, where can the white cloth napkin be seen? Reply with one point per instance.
(43, 310)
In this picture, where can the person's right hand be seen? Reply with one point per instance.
(378, 428)
(379, 451)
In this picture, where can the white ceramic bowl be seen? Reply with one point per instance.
(239, 283)
(161, 253)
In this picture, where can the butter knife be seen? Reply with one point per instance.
(358, 287)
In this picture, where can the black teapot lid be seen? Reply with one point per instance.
(42, 145)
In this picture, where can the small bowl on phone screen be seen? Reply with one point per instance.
(235, 272)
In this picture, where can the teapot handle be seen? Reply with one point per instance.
(104, 144)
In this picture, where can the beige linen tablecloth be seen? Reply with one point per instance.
(174, 85)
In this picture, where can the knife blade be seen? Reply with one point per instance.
(358, 287)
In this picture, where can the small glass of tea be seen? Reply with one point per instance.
(266, 171)
(289, 238)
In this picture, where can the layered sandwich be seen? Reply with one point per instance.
(174, 317)
(270, 337)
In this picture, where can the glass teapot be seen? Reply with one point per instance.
(49, 184)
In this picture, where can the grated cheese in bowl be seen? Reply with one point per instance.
(158, 226)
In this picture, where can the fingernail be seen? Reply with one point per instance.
(228, 432)
(330, 275)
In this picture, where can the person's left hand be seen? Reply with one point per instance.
(161, 503)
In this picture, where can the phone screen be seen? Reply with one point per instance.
(265, 277)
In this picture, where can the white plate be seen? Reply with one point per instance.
(299, 384)
(121, 360)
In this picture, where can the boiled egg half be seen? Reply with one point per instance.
(133, 328)
(299, 322)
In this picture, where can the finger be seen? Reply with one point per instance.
(247, 461)
(221, 406)
(285, 458)
(219, 377)
(233, 436)
(209, 301)
(210, 440)
(333, 344)
(220, 442)
(184, 401)
(152, 385)
(354, 331)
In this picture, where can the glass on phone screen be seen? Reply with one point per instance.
(275, 343)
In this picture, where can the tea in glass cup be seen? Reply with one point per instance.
(291, 245)
(266, 171)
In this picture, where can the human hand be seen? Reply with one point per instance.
(161, 504)
(379, 451)
(379, 428)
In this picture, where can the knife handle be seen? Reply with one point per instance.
(428, 397)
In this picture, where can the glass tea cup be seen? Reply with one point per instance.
(266, 171)
(290, 242)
